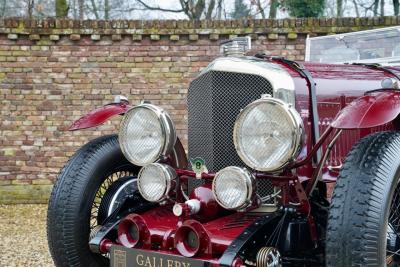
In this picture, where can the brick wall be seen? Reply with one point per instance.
(54, 71)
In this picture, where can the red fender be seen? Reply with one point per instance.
(369, 111)
(100, 115)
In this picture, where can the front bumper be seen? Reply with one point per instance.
(230, 238)
(121, 257)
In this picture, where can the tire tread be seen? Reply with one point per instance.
(355, 216)
(72, 187)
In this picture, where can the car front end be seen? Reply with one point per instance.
(267, 138)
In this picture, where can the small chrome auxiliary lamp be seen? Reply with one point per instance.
(237, 46)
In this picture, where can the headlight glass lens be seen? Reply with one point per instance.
(154, 181)
(268, 134)
(234, 187)
(146, 132)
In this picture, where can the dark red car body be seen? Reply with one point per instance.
(337, 86)
(350, 105)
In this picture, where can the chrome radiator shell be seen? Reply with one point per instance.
(216, 97)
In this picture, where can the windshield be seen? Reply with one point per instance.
(373, 46)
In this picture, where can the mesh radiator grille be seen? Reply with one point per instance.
(214, 101)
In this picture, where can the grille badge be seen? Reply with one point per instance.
(199, 166)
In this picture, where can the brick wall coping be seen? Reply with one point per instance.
(15, 27)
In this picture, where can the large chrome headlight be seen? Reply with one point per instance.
(146, 133)
(155, 181)
(268, 134)
(234, 187)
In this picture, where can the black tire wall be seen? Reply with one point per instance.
(68, 221)
(358, 217)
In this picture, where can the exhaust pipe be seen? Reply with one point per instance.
(192, 239)
(133, 232)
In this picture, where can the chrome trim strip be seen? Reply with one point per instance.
(275, 74)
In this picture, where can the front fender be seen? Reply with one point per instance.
(369, 111)
(100, 115)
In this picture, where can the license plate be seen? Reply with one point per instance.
(126, 257)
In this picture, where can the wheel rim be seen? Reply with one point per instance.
(393, 230)
(108, 181)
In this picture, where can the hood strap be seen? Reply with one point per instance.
(306, 74)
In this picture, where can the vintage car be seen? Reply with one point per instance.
(288, 164)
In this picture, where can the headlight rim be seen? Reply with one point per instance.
(298, 133)
(251, 187)
(167, 169)
(169, 135)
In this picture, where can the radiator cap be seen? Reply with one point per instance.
(237, 46)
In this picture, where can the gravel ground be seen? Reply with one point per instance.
(23, 240)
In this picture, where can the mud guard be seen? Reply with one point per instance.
(254, 234)
(100, 115)
(369, 111)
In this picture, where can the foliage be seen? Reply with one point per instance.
(193, 9)
(396, 6)
(305, 8)
(240, 10)
(273, 9)
(196, 9)
(61, 8)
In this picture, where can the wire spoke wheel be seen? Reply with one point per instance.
(97, 202)
(95, 216)
(393, 230)
(82, 199)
